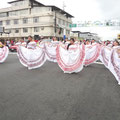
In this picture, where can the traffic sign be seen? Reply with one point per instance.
(72, 25)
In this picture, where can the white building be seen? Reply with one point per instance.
(29, 17)
(84, 35)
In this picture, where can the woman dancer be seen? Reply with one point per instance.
(31, 55)
(4, 51)
(115, 61)
(70, 58)
(50, 50)
(92, 52)
(105, 55)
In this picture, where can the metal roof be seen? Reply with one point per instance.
(40, 4)
(15, 1)
(62, 11)
(29, 0)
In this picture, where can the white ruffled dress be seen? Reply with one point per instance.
(32, 56)
(72, 60)
(3, 54)
(92, 53)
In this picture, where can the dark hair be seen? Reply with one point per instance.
(68, 46)
(29, 40)
(70, 43)
(117, 42)
(30, 36)
(72, 39)
(87, 40)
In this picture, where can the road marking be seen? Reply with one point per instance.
(12, 53)
(100, 63)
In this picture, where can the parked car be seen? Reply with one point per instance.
(13, 48)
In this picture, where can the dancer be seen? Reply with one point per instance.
(55, 40)
(50, 50)
(115, 61)
(4, 51)
(70, 58)
(31, 55)
(105, 54)
(92, 53)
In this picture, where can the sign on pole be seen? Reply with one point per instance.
(72, 25)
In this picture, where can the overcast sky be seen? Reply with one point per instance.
(84, 9)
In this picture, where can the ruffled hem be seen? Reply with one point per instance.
(94, 56)
(50, 50)
(31, 58)
(76, 65)
(3, 54)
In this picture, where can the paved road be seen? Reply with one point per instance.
(49, 94)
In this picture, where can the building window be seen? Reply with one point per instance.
(3, 14)
(68, 24)
(25, 20)
(13, 13)
(7, 22)
(1, 23)
(63, 22)
(16, 21)
(25, 30)
(35, 19)
(18, 12)
(42, 28)
(68, 32)
(8, 31)
(59, 21)
(36, 29)
(16, 30)
(49, 8)
(23, 12)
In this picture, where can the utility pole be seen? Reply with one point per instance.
(64, 37)
(64, 5)
(55, 24)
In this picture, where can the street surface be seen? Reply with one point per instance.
(49, 94)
